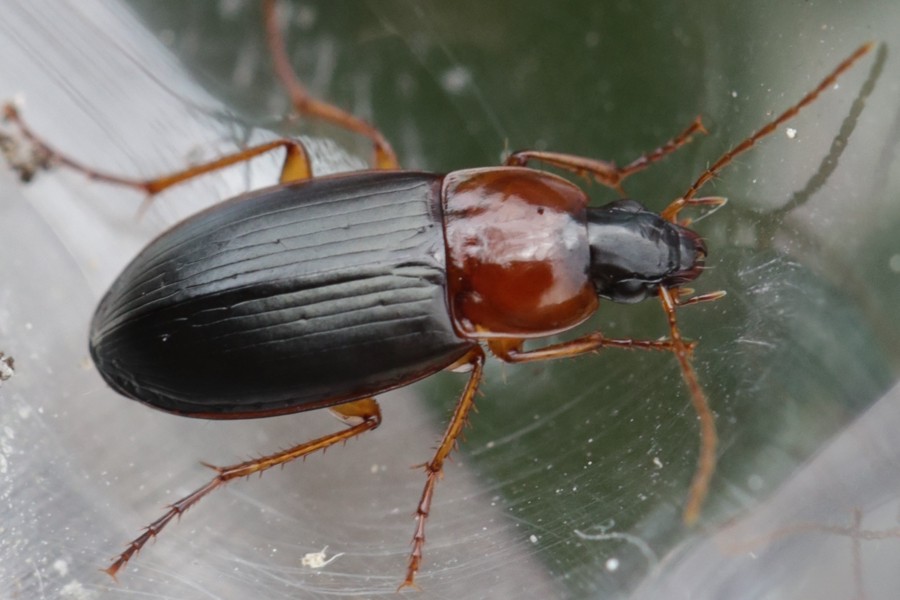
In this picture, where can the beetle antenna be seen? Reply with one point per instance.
(671, 211)
(706, 463)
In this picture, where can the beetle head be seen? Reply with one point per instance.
(635, 251)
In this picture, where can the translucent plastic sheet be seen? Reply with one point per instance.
(571, 480)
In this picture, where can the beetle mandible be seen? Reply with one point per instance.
(263, 304)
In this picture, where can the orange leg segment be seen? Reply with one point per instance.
(605, 172)
(296, 162)
(435, 467)
(510, 350)
(363, 415)
(385, 158)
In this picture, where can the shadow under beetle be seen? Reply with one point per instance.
(265, 304)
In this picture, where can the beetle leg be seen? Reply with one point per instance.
(296, 162)
(363, 414)
(385, 158)
(605, 172)
(686, 298)
(434, 468)
(510, 350)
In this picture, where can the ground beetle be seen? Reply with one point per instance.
(325, 292)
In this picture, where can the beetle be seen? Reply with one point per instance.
(324, 292)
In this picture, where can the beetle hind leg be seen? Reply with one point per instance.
(303, 103)
(362, 415)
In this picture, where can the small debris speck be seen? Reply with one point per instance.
(317, 560)
(61, 567)
(7, 367)
(455, 79)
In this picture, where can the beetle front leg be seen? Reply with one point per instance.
(474, 360)
(363, 415)
(510, 350)
(605, 172)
